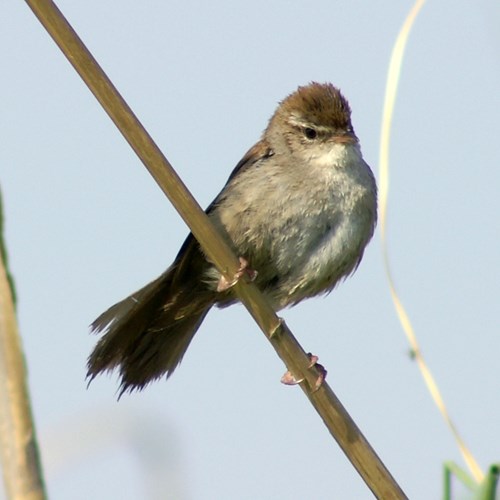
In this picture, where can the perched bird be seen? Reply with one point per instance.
(299, 209)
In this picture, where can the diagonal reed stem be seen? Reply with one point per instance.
(335, 417)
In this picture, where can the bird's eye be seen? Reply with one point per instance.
(310, 133)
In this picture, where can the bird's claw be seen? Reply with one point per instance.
(251, 274)
(289, 379)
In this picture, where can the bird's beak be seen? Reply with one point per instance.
(346, 138)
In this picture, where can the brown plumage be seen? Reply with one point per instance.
(300, 207)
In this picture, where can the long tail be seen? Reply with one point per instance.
(147, 334)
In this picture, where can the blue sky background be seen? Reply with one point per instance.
(86, 226)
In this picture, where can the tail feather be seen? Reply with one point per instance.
(121, 324)
(147, 334)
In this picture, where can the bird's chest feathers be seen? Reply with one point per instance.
(326, 219)
(288, 219)
(284, 217)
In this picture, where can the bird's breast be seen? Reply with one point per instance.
(300, 233)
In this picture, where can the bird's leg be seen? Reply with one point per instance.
(224, 285)
(289, 379)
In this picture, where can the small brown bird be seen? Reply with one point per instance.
(299, 208)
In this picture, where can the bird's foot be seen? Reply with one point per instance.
(289, 379)
(243, 270)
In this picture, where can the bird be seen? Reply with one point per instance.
(298, 209)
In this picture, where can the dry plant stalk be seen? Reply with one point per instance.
(21, 465)
(336, 418)
(390, 98)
